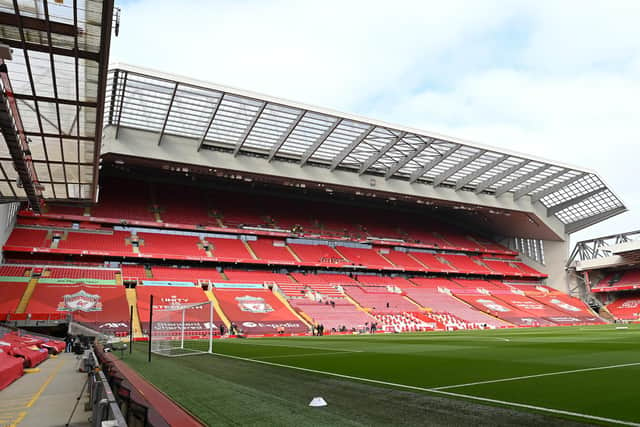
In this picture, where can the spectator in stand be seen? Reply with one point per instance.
(222, 329)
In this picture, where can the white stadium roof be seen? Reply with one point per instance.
(52, 97)
(249, 124)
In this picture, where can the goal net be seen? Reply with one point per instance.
(183, 330)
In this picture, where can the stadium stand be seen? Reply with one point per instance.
(261, 277)
(11, 295)
(433, 263)
(80, 273)
(619, 281)
(626, 308)
(170, 246)
(319, 255)
(402, 260)
(272, 251)
(171, 297)
(257, 311)
(341, 314)
(406, 322)
(102, 244)
(379, 299)
(28, 238)
(103, 307)
(364, 257)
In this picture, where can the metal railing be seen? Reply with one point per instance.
(102, 402)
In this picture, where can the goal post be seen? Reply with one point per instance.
(183, 330)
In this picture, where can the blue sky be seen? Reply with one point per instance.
(556, 79)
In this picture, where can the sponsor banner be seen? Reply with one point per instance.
(564, 305)
(492, 305)
(58, 281)
(528, 305)
(189, 326)
(252, 327)
(634, 303)
(253, 304)
(165, 283)
(239, 285)
(107, 327)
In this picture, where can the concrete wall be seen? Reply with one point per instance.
(8, 215)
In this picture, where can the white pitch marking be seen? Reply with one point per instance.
(548, 374)
(446, 393)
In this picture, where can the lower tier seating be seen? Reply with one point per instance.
(341, 314)
(257, 311)
(379, 299)
(443, 303)
(103, 307)
(406, 322)
(166, 298)
(11, 295)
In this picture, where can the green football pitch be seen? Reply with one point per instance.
(542, 376)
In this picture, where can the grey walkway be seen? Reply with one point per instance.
(46, 398)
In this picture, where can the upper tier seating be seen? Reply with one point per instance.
(402, 260)
(81, 273)
(134, 271)
(293, 290)
(432, 262)
(13, 271)
(266, 250)
(464, 264)
(441, 302)
(619, 280)
(379, 300)
(459, 241)
(528, 271)
(168, 245)
(29, 238)
(624, 308)
(257, 311)
(102, 307)
(112, 244)
(232, 250)
(364, 257)
(503, 268)
(127, 200)
(333, 316)
(318, 254)
(192, 209)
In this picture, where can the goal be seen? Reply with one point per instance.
(183, 330)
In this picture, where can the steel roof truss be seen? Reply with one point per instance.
(531, 187)
(459, 166)
(427, 167)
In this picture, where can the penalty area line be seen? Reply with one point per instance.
(440, 392)
(548, 374)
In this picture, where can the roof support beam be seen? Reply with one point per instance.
(166, 117)
(124, 88)
(280, 142)
(514, 183)
(40, 98)
(375, 157)
(407, 158)
(211, 119)
(452, 170)
(349, 148)
(496, 178)
(531, 187)
(479, 172)
(249, 128)
(559, 186)
(586, 222)
(568, 203)
(427, 167)
(36, 47)
(318, 142)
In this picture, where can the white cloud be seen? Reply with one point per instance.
(555, 79)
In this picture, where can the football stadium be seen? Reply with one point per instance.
(176, 252)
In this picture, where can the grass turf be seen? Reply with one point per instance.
(225, 390)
